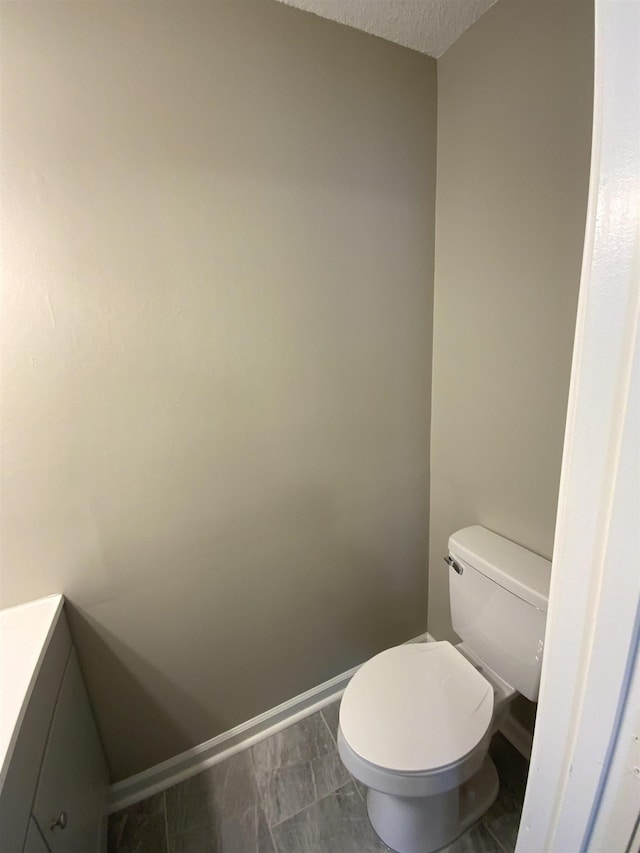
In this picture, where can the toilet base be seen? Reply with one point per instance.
(426, 824)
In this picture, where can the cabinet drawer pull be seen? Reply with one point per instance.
(60, 821)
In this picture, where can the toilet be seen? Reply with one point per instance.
(416, 720)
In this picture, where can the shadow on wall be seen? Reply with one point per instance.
(195, 130)
(112, 671)
(218, 364)
(270, 601)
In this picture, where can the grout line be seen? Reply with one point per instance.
(495, 838)
(261, 800)
(273, 841)
(314, 803)
(166, 819)
(328, 727)
(313, 782)
(353, 779)
(358, 790)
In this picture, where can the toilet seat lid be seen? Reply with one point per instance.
(416, 707)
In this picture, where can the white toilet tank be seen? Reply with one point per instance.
(499, 593)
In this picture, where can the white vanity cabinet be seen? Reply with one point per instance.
(34, 842)
(53, 788)
(70, 797)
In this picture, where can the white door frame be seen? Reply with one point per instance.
(583, 792)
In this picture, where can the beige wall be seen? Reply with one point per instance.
(514, 133)
(217, 247)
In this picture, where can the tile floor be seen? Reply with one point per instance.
(291, 794)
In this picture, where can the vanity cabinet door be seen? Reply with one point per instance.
(34, 842)
(19, 785)
(72, 789)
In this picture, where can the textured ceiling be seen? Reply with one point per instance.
(430, 26)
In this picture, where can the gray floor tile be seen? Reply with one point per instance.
(338, 823)
(296, 767)
(218, 810)
(139, 828)
(503, 819)
(246, 832)
(331, 714)
(292, 789)
(475, 840)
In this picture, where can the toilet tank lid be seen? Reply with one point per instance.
(513, 567)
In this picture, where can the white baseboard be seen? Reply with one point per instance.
(517, 735)
(199, 758)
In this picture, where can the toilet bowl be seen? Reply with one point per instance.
(415, 728)
(416, 720)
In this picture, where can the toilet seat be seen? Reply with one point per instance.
(416, 708)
